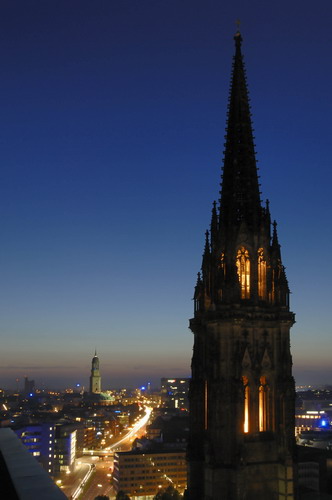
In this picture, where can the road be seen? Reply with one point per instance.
(99, 482)
(70, 482)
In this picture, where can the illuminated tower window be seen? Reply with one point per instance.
(246, 405)
(262, 399)
(261, 275)
(243, 271)
(222, 261)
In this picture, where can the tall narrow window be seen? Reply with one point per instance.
(222, 268)
(206, 405)
(222, 260)
(261, 275)
(246, 403)
(243, 271)
(262, 400)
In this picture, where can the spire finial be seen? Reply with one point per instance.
(237, 36)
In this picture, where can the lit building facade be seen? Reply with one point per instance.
(143, 474)
(174, 392)
(39, 439)
(64, 448)
(242, 393)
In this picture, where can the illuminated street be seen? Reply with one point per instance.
(100, 481)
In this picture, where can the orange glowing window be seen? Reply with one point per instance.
(246, 405)
(261, 275)
(243, 271)
(263, 403)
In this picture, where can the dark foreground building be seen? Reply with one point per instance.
(242, 391)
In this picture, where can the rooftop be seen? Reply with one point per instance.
(21, 476)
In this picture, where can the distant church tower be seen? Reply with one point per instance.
(242, 391)
(95, 378)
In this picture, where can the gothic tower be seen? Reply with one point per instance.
(242, 390)
(95, 378)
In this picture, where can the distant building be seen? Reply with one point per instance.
(144, 473)
(171, 432)
(29, 386)
(174, 392)
(315, 439)
(311, 420)
(95, 378)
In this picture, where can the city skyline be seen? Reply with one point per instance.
(112, 128)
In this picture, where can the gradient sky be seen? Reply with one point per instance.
(112, 116)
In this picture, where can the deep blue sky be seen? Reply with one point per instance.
(112, 117)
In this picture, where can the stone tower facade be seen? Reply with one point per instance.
(95, 378)
(242, 391)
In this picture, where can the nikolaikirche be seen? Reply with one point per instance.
(242, 390)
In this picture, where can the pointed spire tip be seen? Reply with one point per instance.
(238, 39)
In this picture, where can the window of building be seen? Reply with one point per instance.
(263, 403)
(243, 271)
(261, 274)
(222, 261)
(246, 405)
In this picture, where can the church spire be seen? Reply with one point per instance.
(241, 442)
(240, 195)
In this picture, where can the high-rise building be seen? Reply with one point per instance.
(242, 391)
(174, 392)
(29, 386)
(95, 378)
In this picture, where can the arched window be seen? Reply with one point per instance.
(261, 275)
(246, 403)
(243, 271)
(263, 404)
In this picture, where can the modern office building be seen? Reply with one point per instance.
(141, 474)
(174, 392)
(39, 440)
(64, 448)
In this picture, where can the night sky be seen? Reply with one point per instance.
(112, 117)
